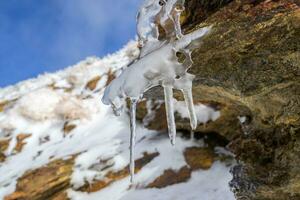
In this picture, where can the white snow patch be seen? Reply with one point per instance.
(40, 104)
(242, 119)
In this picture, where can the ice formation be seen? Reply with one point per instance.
(157, 65)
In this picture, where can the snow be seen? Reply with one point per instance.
(39, 105)
(203, 185)
(242, 119)
(41, 112)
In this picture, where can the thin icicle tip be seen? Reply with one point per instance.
(133, 103)
(168, 92)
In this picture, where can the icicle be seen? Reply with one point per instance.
(176, 20)
(188, 97)
(192, 135)
(117, 110)
(146, 27)
(168, 90)
(133, 103)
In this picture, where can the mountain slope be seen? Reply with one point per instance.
(58, 141)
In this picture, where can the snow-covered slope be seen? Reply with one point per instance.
(60, 115)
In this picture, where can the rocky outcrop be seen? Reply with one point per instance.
(248, 67)
(112, 176)
(49, 182)
(53, 180)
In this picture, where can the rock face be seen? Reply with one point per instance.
(49, 182)
(248, 67)
(53, 180)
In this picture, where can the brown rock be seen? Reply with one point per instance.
(141, 110)
(2, 157)
(44, 183)
(156, 122)
(159, 122)
(20, 141)
(199, 10)
(115, 176)
(92, 84)
(199, 158)
(65, 89)
(110, 76)
(16, 196)
(61, 196)
(171, 177)
(2, 105)
(3, 146)
(68, 127)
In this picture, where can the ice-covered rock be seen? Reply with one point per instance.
(157, 64)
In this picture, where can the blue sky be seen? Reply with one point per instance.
(38, 36)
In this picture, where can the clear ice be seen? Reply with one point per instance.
(157, 65)
(133, 103)
(188, 97)
(168, 92)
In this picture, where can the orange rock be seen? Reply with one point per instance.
(160, 122)
(68, 128)
(49, 182)
(20, 141)
(110, 76)
(115, 176)
(61, 196)
(92, 84)
(199, 158)
(2, 105)
(171, 177)
(3, 146)
(16, 196)
(2, 157)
